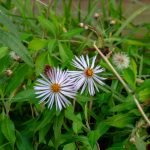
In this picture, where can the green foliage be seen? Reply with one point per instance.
(41, 33)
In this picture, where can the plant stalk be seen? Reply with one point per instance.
(124, 84)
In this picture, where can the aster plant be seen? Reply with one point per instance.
(87, 74)
(55, 88)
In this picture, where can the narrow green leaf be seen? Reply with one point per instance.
(135, 14)
(13, 43)
(62, 53)
(120, 120)
(8, 23)
(47, 24)
(77, 125)
(129, 77)
(51, 45)
(71, 33)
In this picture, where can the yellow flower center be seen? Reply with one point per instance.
(89, 72)
(55, 87)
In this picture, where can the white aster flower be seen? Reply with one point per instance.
(87, 76)
(121, 60)
(55, 88)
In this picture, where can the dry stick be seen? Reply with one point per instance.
(124, 84)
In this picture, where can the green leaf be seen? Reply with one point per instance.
(17, 78)
(22, 142)
(94, 135)
(77, 125)
(133, 67)
(70, 146)
(120, 120)
(8, 23)
(47, 24)
(46, 119)
(3, 51)
(135, 14)
(116, 146)
(37, 44)
(139, 143)
(42, 133)
(51, 45)
(71, 33)
(123, 107)
(102, 128)
(4, 63)
(144, 94)
(8, 130)
(15, 44)
(58, 122)
(145, 84)
(63, 53)
(41, 61)
(129, 77)
(26, 95)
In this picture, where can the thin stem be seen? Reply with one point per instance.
(141, 110)
(124, 84)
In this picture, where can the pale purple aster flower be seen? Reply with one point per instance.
(121, 60)
(87, 75)
(55, 89)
